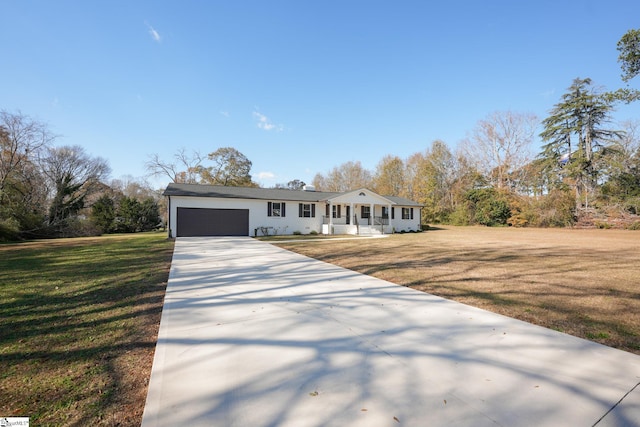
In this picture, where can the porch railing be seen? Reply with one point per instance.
(336, 221)
(381, 220)
(377, 220)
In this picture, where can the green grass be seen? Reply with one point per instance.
(78, 327)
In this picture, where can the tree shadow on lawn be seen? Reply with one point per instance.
(524, 284)
(77, 334)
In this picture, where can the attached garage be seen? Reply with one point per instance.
(212, 222)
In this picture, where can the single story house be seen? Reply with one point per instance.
(213, 210)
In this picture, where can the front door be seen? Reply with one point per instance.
(365, 213)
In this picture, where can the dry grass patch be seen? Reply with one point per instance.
(582, 282)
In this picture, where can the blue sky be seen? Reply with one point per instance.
(297, 86)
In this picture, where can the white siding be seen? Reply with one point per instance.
(291, 222)
(400, 224)
(257, 213)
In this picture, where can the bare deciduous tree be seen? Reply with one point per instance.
(501, 145)
(185, 167)
(294, 184)
(22, 192)
(21, 139)
(319, 182)
(135, 188)
(346, 177)
(630, 144)
(72, 176)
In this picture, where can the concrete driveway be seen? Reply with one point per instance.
(253, 335)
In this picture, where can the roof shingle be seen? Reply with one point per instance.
(201, 190)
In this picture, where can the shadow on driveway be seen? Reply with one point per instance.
(254, 335)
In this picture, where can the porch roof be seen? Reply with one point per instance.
(403, 202)
(220, 191)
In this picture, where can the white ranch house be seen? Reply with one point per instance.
(212, 210)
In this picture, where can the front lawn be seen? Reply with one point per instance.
(78, 327)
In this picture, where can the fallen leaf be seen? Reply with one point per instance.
(364, 409)
(445, 401)
(313, 393)
(396, 419)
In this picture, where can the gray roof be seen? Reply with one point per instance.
(402, 201)
(200, 190)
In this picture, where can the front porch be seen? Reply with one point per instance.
(357, 219)
(363, 212)
(356, 226)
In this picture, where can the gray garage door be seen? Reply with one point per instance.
(212, 222)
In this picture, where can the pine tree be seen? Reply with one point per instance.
(103, 213)
(629, 48)
(576, 138)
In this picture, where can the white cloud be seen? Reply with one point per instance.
(264, 123)
(154, 34)
(225, 113)
(266, 175)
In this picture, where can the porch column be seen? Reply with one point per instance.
(330, 218)
(372, 214)
(389, 228)
(352, 214)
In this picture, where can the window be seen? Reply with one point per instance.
(407, 213)
(306, 210)
(276, 209)
(385, 212)
(336, 211)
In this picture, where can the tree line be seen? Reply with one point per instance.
(61, 191)
(587, 168)
(495, 177)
